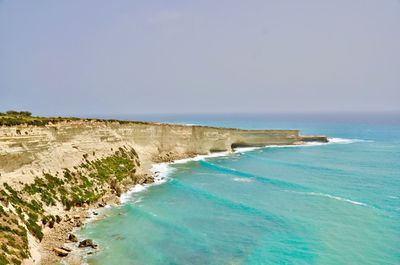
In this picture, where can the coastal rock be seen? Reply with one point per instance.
(149, 179)
(115, 186)
(61, 252)
(87, 243)
(78, 223)
(72, 238)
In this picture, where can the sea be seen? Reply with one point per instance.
(329, 204)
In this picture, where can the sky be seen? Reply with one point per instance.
(211, 56)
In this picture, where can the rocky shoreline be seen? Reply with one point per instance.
(61, 242)
(53, 176)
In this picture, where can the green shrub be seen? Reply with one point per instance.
(3, 260)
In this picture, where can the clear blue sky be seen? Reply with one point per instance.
(126, 57)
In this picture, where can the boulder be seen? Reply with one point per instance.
(72, 238)
(78, 223)
(87, 243)
(61, 252)
(149, 179)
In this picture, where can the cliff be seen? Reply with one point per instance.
(49, 170)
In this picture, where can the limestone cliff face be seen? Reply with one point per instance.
(26, 151)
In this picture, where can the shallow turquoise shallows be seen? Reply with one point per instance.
(337, 203)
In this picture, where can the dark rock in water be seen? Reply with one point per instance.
(101, 204)
(72, 238)
(149, 179)
(61, 252)
(87, 243)
(95, 213)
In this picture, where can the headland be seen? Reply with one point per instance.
(53, 170)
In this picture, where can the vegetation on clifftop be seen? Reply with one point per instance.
(24, 210)
(13, 118)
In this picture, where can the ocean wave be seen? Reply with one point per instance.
(125, 197)
(245, 149)
(243, 174)
(232, 204)
(200, 157)
(320, 194)
(333, 140)
(346, 141)
(242, 179)
(161, 171)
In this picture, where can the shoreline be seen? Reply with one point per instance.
(160, 172)
(56, 174)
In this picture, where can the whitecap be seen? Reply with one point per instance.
(245, 149)
(330, 197)
(345, 140)
(161, 172)
(242, 179)
(126, 196)
(200, 157)
(333, 140)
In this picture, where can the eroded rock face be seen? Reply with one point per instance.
(64, 145)
(144, 179)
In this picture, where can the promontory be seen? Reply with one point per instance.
(52, 170)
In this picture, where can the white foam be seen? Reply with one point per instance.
(245, 149)
(337, 198)
(296, 145)
(242, 179)
(333, 140)
(161, 172)
(137, 188)
(200, 157)
(330, 196)
(346, 141)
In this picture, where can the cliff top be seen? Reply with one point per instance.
(24, 118)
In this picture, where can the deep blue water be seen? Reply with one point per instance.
(337, 203)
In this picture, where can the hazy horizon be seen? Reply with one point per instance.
(77, 58)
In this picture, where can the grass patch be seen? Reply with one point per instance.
(13, 118)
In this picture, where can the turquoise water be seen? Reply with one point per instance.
(325, 204)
